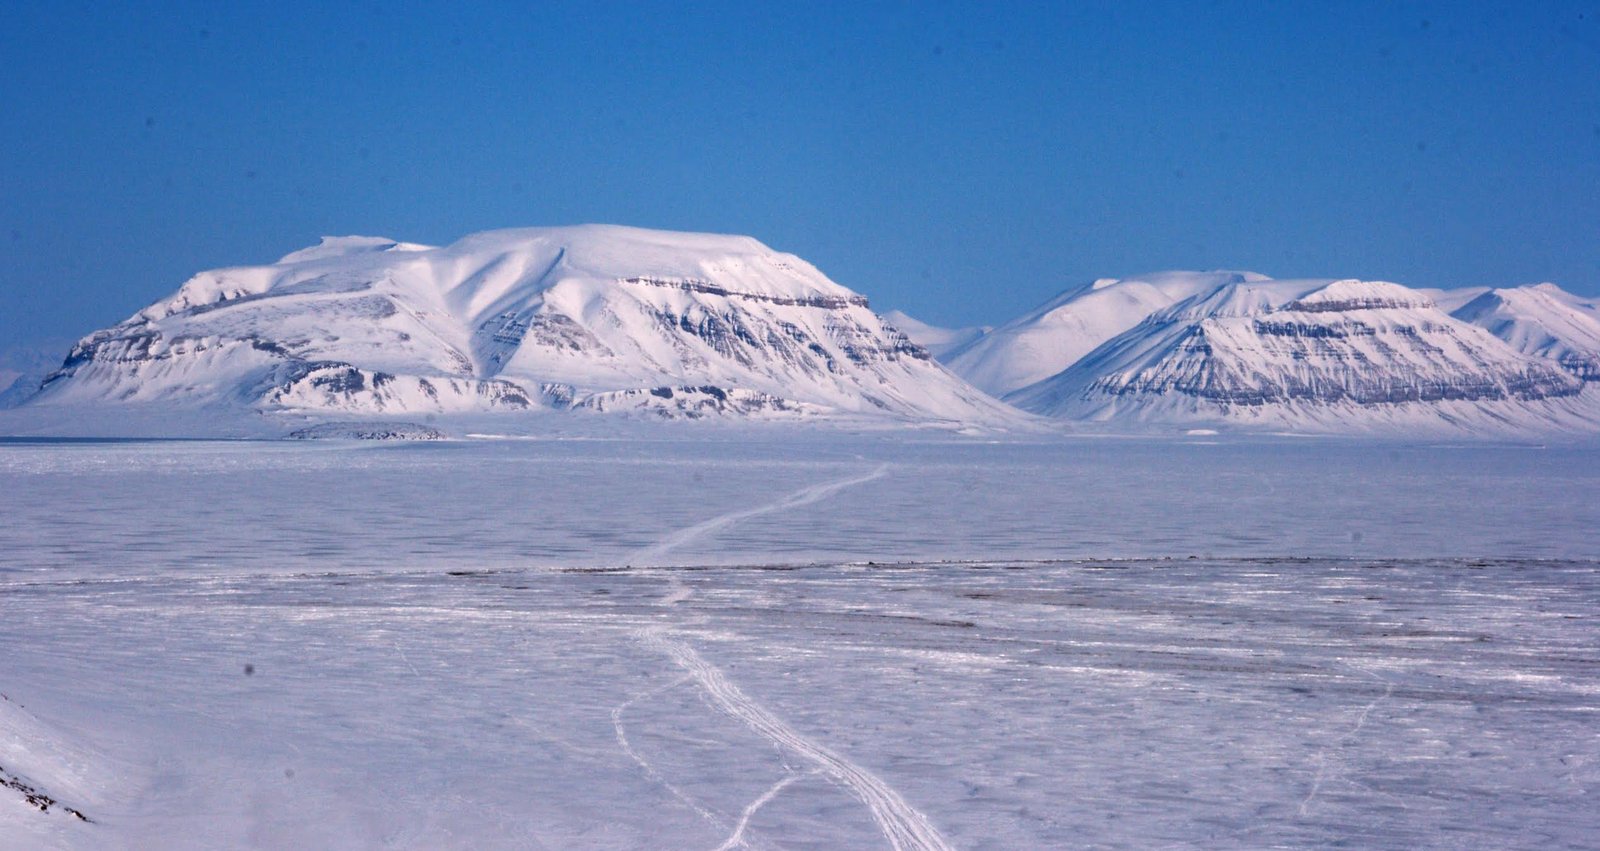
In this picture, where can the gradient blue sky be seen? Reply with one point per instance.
(962, 162)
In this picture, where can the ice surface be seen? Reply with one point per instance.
(444, 645)
(93, 508)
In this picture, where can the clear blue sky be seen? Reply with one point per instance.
(961, 162)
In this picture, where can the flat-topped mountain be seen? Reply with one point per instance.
(593, 317)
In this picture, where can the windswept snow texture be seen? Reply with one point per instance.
(443, 645)
(593, 317)
(1347, 356)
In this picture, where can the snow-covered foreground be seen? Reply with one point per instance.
(223, 645)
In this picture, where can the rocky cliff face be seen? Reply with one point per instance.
(591, 317)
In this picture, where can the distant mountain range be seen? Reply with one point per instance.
(608, 319)
(1241, 349)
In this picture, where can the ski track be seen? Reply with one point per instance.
(902, 825)
(406, 659)
(650, 771)
(1355, 732)
(736, 839)
(651, 555)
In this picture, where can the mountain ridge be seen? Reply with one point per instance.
(615, 319)
(1243, 349)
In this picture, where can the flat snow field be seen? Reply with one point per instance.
(682, 644)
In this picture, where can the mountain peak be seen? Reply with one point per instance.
(340, 246)
(1542, 320)
(1352, 294)
(1053, 336)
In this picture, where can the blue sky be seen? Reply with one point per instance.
(962, 162)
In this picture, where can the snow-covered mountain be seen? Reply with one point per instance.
(1058, 333)
(938, 341)
(1347, 356)
(609, 319)
(1542, 320)
(24, 367)
(593, 317)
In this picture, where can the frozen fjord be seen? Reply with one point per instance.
(448, 651)
(122, 508)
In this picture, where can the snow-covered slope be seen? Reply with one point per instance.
(1542, 320)
(44, 774)
(1450, 301)
(1345, 356)
(938, 341)
(24, 367)
(1054, 336)
(593, 316)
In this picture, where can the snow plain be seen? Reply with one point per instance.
(679, 642)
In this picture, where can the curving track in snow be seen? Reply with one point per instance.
(651, 555)
(904, 827)
(736, 839)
